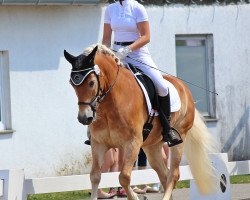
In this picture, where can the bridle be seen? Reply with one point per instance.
(78, 77)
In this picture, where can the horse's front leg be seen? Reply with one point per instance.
(98, 153)
(129, 153)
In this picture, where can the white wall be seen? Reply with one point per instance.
(48, 138)
(230, 26)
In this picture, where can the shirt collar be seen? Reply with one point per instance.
(125, 2)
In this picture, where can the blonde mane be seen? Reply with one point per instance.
(103, 49)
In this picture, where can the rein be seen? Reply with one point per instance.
(110, 87)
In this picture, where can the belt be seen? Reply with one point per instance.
(123, 43)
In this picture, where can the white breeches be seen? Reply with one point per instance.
(147, 65)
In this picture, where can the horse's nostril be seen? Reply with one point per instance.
(85, 120)
(90, 119)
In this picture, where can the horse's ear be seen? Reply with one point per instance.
(69, 57)
(90, 57)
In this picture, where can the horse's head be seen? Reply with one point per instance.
(84, 78)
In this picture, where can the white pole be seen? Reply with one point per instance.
(16, 184)
(1, 187)
(219, 162)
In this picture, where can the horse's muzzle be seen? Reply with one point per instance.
(85, 120)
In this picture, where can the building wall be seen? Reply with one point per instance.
(230, 26)
(48, 139)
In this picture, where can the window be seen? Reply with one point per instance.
(5, 118)
(1, 104)
(195, 65)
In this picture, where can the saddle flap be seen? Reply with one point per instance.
(149, 88)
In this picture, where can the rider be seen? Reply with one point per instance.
(128, 20)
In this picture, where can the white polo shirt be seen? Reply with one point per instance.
(123, 19)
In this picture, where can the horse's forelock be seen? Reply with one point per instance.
(103, 49)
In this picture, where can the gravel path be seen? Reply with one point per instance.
(239, 192)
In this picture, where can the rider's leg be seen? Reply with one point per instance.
(165, 118)
(164, 100)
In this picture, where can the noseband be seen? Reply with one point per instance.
(78, 77)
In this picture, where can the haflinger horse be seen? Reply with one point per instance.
(112, 103)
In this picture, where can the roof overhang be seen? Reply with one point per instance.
(49, 2)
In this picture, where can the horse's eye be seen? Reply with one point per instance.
(91, 83)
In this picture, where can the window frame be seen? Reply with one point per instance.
(209, 69)
(5, 123)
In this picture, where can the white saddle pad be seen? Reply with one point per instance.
(175, 102)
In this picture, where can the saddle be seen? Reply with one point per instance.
(148, 84)
(150, 95)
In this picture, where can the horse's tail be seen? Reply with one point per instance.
(198, 145)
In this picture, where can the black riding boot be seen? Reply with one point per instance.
(170, 135)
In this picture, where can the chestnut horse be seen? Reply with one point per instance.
(112, 103)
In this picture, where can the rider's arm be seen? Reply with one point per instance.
(144, 31)
(107, 32)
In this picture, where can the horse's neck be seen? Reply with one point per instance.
(110, 75)
(125, 89)
(122, 107)
(109, 71)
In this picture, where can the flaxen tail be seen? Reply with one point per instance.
(198, 145)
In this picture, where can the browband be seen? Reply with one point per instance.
(78, 76)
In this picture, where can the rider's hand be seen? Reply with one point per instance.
(123, 52)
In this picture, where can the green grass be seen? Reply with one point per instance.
(80, 195)
(233, 180)
(183, 184)
(77, 195)
(240, 179)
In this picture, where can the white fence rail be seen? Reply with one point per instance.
(14, 186)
